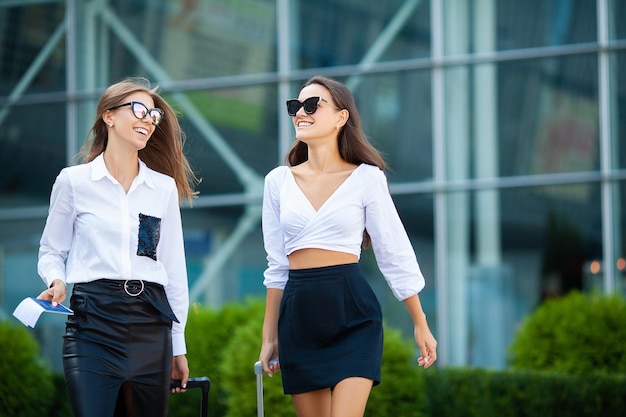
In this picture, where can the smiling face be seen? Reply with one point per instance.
(323, 122)
(125, 129)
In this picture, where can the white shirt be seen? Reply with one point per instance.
(92, 232)
(361, 202)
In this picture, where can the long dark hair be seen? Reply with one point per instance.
(163, 152)
(353, 144)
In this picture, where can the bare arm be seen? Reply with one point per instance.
(269, 347)
(423, 337)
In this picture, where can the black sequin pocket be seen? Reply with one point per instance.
(149, 234)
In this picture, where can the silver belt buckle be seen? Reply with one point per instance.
(133, 294)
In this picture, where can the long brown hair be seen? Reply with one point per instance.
(163, 152)
(353, 144)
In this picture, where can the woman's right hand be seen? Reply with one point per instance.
(56, 293)
(269, 358)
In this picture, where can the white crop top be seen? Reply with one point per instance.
(361, 202)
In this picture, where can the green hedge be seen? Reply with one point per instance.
(473, 392)
(577, 334)
(224, 344)
(26, 382)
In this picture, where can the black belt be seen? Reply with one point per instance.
(131, 287)
(149, 291)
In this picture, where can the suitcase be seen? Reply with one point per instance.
(204, 383)
(258, 370)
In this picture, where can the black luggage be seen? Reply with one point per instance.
(205, 385)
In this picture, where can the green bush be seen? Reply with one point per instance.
(576, 334)
(475, 392)
(207, 333)
(26, 383)
(239, 380)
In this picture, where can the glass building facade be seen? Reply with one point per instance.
(503, 123)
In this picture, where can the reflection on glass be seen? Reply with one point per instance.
(32, 40)
(331, 33)
(32, 152)
(548, 238)
(548, 116)
(395, 110)
(617, 15)
(552, 23)
(232, 135)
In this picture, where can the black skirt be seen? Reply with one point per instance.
(119, 335)
(329, 328)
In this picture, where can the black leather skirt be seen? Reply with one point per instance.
(329, 328)
(119, 336)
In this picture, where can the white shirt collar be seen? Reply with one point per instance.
(99, 171)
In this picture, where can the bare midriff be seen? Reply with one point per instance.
(313, 258)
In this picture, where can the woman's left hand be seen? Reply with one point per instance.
(180, 371)
(427, 346)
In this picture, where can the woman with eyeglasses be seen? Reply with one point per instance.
(114, 231)
(322, 320)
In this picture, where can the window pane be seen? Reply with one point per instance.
(617, 15)
(231, 135)
(522, 118)
(32, 39)
(32, 152)
(548, 116)
(241, 273)
(178, 40)
(510, 250)
(535, 23)
(330, 33)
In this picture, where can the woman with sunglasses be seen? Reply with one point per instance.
(322, 318)
(114, 231)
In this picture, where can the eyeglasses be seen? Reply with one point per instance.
(141, 111)
(310, 105)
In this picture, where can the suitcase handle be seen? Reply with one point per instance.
(258, 366)
(204, 383)
(201, 382)
(258, 370)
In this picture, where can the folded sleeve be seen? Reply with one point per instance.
(392, 248)
(277, 272)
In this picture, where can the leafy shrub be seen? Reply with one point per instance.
(207, 333)
(577, 334)
(26, 386)
(239, 379)
(476, 392)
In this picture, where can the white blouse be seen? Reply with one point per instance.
(361, 202)
(95, 230)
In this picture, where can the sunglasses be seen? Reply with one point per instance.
(310, 105)
(141, 111)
